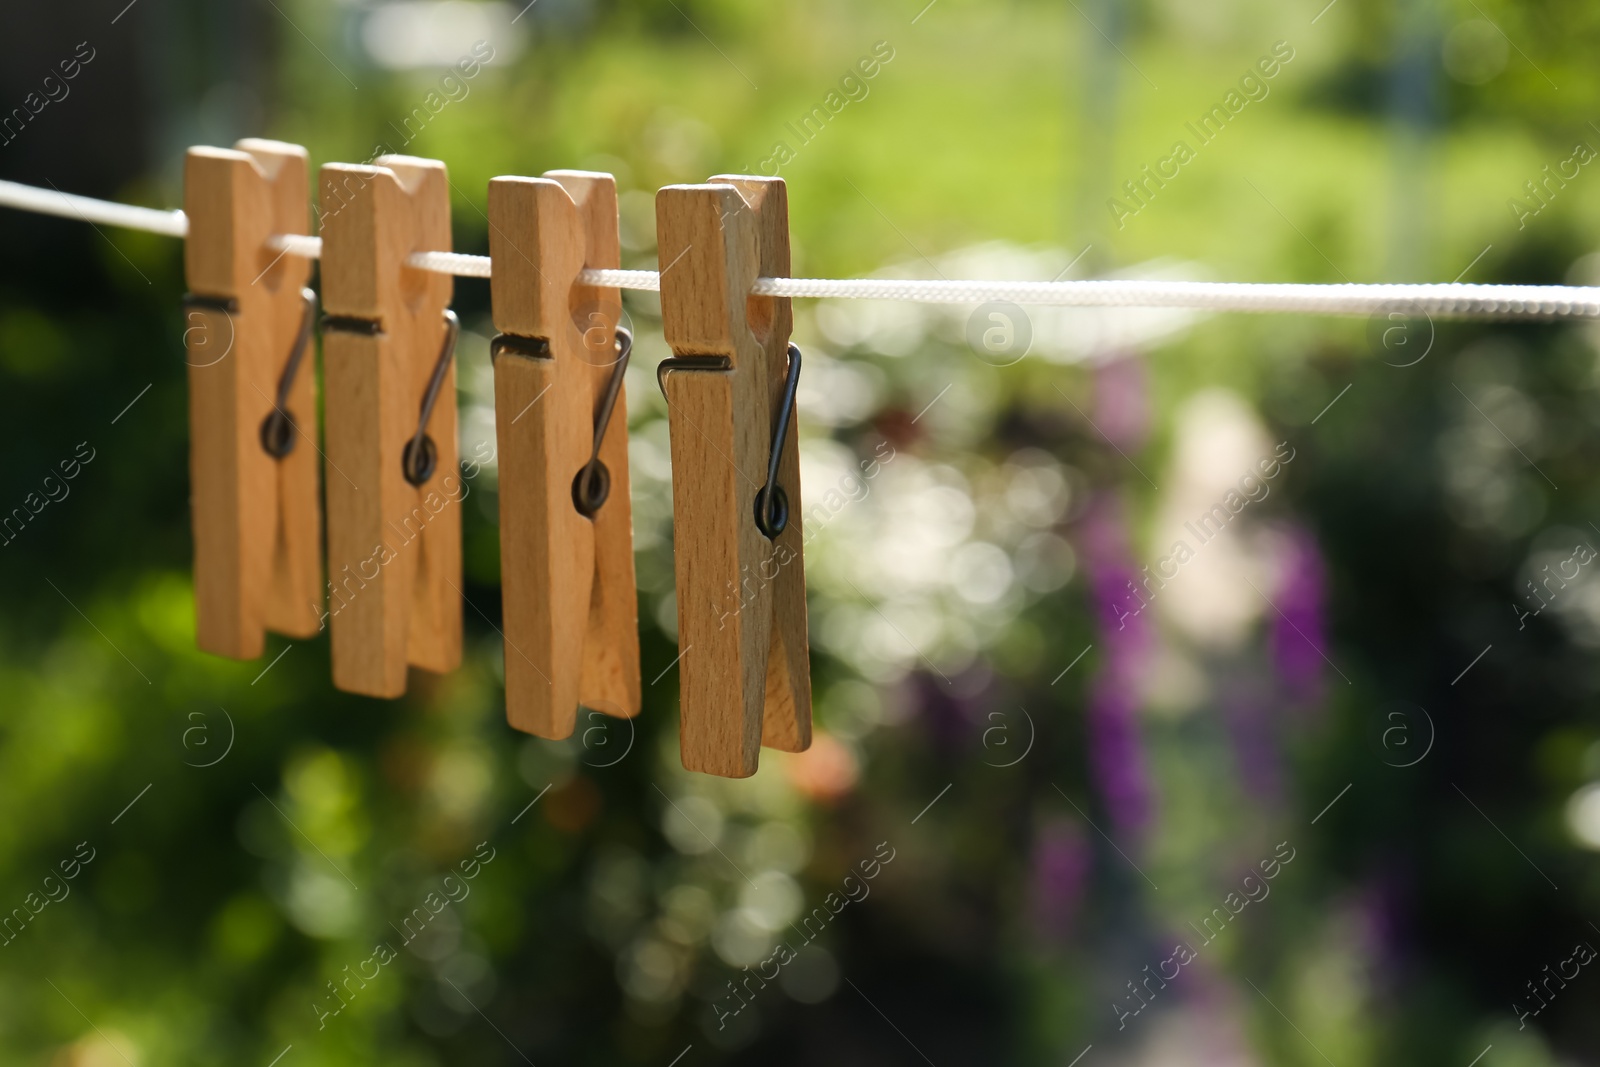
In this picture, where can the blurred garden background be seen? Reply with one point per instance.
(1322, 788)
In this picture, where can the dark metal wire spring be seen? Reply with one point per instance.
(279, 429)
(421, 456)
(592, 485)
(772, 504)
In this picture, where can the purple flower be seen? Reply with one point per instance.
(1061, 858)
(1299, 636)
(1252, 723)
(957, 712)
(1380, 907)
(1116, 756)
(1121, 400)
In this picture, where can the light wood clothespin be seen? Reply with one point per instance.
(566, 523)
(252, 399)
(745, 676)
(394, 486)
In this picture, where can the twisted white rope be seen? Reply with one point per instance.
(647, 280)
(456, 263)
(1442, 301)
(1446, 301)
(87, 209)
(297, 244)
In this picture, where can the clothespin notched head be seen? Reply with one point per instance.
(394, 487)
(252, 398)
(566, 540)
(745, 670)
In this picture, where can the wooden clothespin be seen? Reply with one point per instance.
(566, 523)
(745, 673)
(252, 399)
(394, 486)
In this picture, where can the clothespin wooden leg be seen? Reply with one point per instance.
(611, 653)
(745, 675)
(394, 518)
(252, 399)
(566, 541)
(786, 723)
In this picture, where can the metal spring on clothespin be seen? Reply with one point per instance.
(421, 457)
(593, 484)
(772, 503)
(278, 429)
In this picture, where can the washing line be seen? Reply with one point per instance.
(1453, 300)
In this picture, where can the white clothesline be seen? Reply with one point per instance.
(1443, 301)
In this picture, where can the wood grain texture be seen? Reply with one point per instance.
(570, 613)
(394, 550)
(610, 680)
(742, 672)
(786, 722)
(256, 518)
(542, 423)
